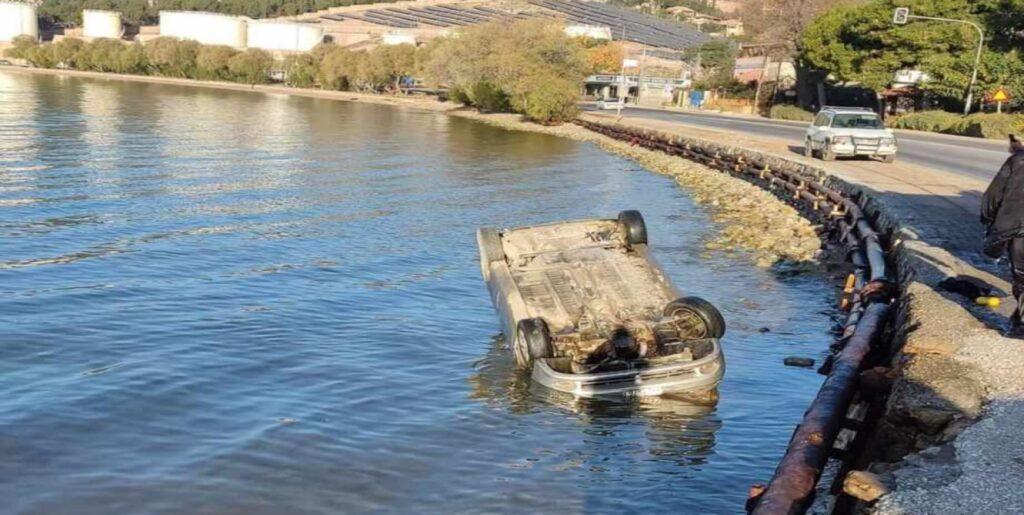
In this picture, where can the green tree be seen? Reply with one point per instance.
(861, 44)
(336, 68)
(251, 66)
(525, 60)
(132, 59)
(66, 52)
(172, 58)
(20, 47)
(301, 70)
(99, 55)
(212, 62)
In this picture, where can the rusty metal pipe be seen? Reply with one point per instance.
(792, 486)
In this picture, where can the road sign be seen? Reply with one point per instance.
(1000, 95)
(900, 16)
(630, 63)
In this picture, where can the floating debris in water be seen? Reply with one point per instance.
(794, 361)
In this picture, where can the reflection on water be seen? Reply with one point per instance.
(681, 429)
(235, 303)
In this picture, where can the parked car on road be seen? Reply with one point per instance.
(586, 308)
(849, 131)
(611, 103)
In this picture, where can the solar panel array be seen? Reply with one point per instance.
(431, 16)
(638, 27)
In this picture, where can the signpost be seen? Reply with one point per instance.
(998, 96)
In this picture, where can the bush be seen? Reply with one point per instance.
(488, 98)
(20, 47)
(552, 101)
(99, 55)
(251, 66)
(172, 58)
(336, 68)
(930, 121)
(991, 125)
(300, 71)
(790, 112)
(212, 62)
(67, 52)
(979, 125)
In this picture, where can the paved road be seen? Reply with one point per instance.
(973, 157)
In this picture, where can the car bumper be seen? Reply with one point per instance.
(690, 377)
(863, 150)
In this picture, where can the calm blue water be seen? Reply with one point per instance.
(220, 302)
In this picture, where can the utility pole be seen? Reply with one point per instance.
(902, 15)
(640, 79)
(622, 79)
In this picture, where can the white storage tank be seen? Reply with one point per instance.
(206, 28)
(101, 24)
(589, 31)
(398, 38)
(18, 19)
(284, 35)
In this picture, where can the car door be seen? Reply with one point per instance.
(818, 132)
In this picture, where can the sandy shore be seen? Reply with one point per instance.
(774, 233)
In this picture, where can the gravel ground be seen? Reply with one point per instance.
(984, 476)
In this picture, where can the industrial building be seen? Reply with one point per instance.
(18, 19)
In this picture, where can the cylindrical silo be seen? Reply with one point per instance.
(284, 36)
(18, 19)
(101, 24)
(206, 28)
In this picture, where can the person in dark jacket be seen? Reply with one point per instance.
(1002, 213)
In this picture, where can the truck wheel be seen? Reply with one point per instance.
(827, 154)
(701, 311)
(488, 240)
(889, 158)
(632, 223)
(533, 335)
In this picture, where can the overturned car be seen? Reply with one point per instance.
(586, 307)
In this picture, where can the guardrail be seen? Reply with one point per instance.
(791, 488)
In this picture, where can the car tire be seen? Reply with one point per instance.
(808, 151)
(889, 159)
(533, 335)
(489, 242)
(703, 310)
(632, 224)
(827, 154)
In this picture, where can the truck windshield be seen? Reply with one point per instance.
(856, 121)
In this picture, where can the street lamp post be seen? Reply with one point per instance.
(901, 16)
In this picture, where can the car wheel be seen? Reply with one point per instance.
(827, 154)
(698, 314)
(889, 159)
(808, 151)
(632, 223)
(534, 338)
(489, 242)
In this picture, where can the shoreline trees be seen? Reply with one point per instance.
(529, 67)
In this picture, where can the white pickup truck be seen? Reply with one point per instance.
(586, 307)
(849, 131)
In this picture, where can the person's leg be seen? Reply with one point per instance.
(1016, 251)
